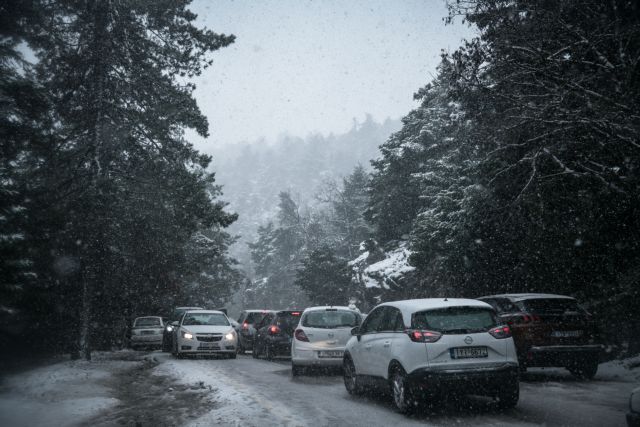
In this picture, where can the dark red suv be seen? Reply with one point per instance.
(550, 330)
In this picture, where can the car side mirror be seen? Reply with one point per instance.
(356, 332)
(176, 323)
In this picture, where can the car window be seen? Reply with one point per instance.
(503, 305)
(255, 318)
(550, 306)
(373, 321)
(211, 319)
(463, 320)
(391, 320)
(142, 322)
(288, 321)
(265, 320)
(331, 319)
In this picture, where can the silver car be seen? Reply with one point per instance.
(147, 332)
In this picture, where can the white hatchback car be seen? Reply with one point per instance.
(204, 332)
(422, 347)
(321, 336)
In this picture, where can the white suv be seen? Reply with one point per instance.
(421, 347)
(321, 336)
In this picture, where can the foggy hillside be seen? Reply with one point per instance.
(252, 174)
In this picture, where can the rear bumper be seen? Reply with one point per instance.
(310, 357)
(143, 340)
(487, 380)
(561, 355)
(279, 347)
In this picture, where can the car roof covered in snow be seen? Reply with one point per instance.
(188, 308)
(259, 311)
(201, 311)
(332, 307)
(526, 296)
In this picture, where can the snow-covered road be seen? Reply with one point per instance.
(153, 389)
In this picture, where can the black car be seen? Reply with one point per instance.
(247, 323)
(274, 334)
(167, 334)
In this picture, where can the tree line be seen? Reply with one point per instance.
(518, 172)
(106, 211)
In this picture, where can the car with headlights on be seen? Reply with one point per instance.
(146, 332)
(274, 334)
(204, 332)
(425, 348)
(633, 416)
(550, 330)
(321, 336)
(168, 333)
(248, 320)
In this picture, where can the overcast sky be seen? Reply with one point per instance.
(302, 67)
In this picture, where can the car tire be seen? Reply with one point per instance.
(240, 349)
(232, 355)
(254, 351)
(268, 352)
(508, 395)
(296, 370)
(585, 370)
(351, 382)
(401, 391)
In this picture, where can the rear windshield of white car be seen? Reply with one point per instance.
(455, 320)
(331, 319)
(143, 322)
(215, 319)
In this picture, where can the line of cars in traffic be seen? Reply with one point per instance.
(413, 348)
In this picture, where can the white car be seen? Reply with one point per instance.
(147, 332)
(204, 332)
(420, 348)
(321, 336)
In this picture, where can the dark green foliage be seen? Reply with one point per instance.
(124, 218)
(325, 278)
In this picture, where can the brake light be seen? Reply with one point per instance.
(295, 313)
(245, 325)
(300, 335)
(423, 336)
(524, 318)
(274, 330)
(501, 332)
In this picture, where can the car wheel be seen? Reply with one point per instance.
(351, 382)
(401, 391)
(268, 352)
(295, 370)
(254, 351)
(232, 356)
(508, 395)
(585, 370)
(239, 348)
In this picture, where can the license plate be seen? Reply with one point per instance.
(469, 352)
(330, 353)
(566, 334)
(208, 345)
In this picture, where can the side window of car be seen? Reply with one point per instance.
(373, 320)
(398, 324)
(391, 320)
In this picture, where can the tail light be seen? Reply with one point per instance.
(501, 332)
(300, 335)
(245, 325)
(524, 318)
(274, 330)
(417, 335)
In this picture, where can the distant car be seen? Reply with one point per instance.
(321, 337)
(633, 416)
(421, 348)
(147, 332)
(248, 320)
(168, 333)
(204, 332)
(274, 334)
(550, 330)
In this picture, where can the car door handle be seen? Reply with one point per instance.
(387, 343)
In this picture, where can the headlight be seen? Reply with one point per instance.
(230, 336)
(169, 328)
(634, 401)
(187, 335)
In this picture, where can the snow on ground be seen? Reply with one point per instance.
(61, 394)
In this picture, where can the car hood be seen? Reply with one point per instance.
(207, 329)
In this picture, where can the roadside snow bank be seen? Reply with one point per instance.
(622, 370)
(61, 394)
